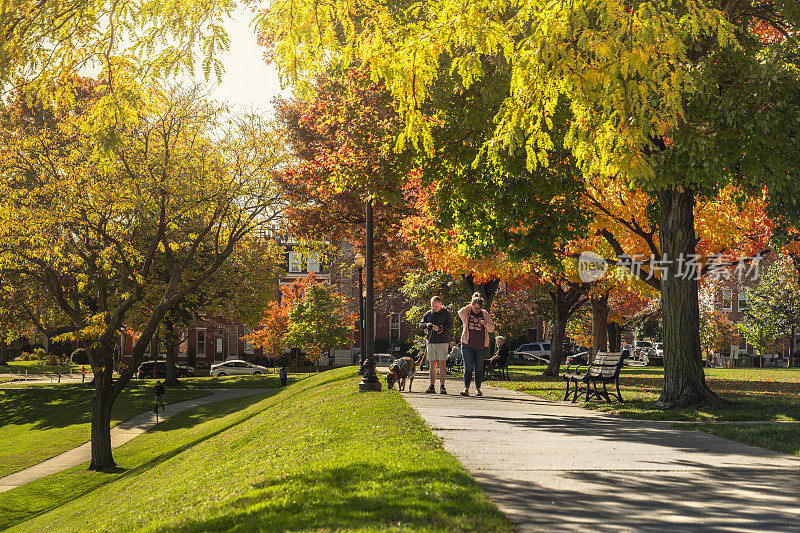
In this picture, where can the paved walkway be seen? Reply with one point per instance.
(552, 466)
(120, 434)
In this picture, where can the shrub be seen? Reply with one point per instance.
(52, 359)
(39, 354)
(26, 356)
(80, 357)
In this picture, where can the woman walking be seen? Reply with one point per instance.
(474, 341)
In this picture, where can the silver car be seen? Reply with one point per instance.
(237, 367)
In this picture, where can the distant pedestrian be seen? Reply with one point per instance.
(83, 374)
(159, 390)
(438, 323)
(500, 357)
(474, 341)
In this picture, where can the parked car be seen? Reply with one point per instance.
(537, 352)
(579, 358)
(658, 354)
(237, 367)
(145, 370)
(383, 359)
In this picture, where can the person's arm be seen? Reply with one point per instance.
(462, 313)
(489, 323)
(447, 330)
(423, 324)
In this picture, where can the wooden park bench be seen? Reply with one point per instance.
(604, 369)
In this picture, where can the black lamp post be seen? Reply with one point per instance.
(370, 381)
(359, 262)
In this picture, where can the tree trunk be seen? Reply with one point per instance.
(3, 352)
(487, 289)
(599, 324)
(792, 346)
(557, 344)
(102, 403)
(614, 332)
(684, 380)
(171, 377)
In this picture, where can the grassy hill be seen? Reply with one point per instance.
(317, 456)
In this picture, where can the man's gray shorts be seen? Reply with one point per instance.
(437, 351)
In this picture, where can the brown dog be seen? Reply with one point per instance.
(402, 368)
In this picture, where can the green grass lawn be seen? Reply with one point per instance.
(38, 367)
(237, 382)
(758, 393)
(317, 455)
(784, 438)
(40, 421)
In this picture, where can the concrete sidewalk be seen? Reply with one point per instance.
(120, 434)
(552, 466)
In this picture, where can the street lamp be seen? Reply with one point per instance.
(360, 261)
(370, 381)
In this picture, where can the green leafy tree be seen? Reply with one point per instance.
(57, 38)
(99, 210)
(760, 335)
(319, 321)
(775, 301)
(676, 100)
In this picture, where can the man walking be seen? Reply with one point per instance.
(159, 391)
(438, 322)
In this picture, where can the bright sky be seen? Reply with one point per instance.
(247, 82)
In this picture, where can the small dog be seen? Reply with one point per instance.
(402, 368)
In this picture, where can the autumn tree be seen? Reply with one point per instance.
(319, 321)
(270, 333)
(54, 40)
(341, 132)
(678, 101)
(97, 202)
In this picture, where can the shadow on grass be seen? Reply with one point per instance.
(55, 491)
(335, 498)
(58, 407)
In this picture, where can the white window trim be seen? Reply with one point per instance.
(728, 307)
(249, 349)
(197, 344)
(393, 329)
(233, 340)
(742, 297)
(313, 263)
(294, 258)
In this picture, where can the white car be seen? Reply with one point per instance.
(538, 352)
(237, 367)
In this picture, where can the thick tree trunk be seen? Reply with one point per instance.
(684, 380)
(487, 289)
(102, 403)
(172, 373)
(3, 352)
(599, 324)
(557, 344)
(614, 333)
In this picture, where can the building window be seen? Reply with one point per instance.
(233, 341)
(743, 300)
(313, 263)
(294, 262)
(248, 346)
(394, 327)
(200, 344)
(727, 301)
(183, 347)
